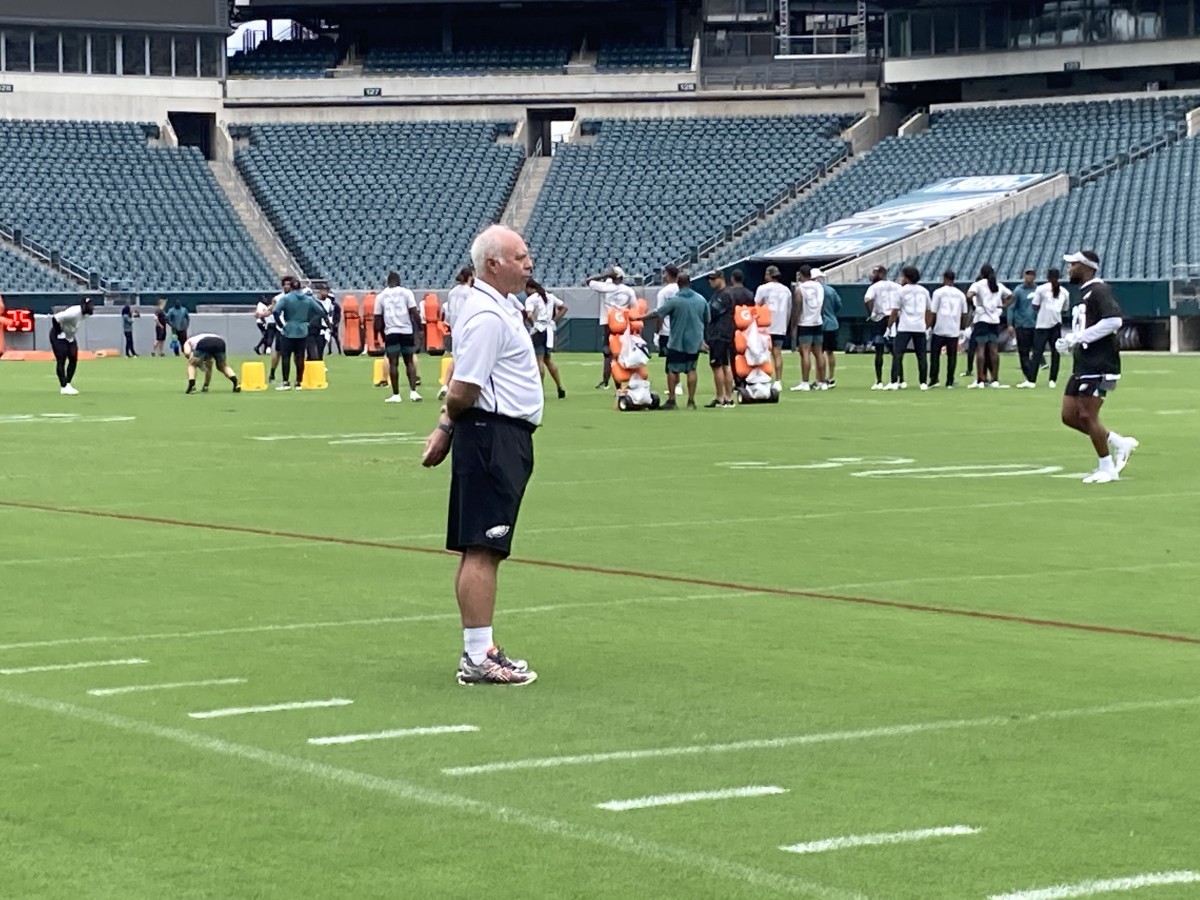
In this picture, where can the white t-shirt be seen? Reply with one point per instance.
(665, 293)
(492, 349)
(457, 296)
(884, 296)
(69, 321)
(812, 298)
(612, 296)
(394, 304)
(1050, 308)
(950, 305)
(778, 299)
(914, 302)
(553, 305)
(541, 310)
(988, 306)
(262, 313)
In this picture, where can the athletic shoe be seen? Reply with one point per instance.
(1050, 384)
(904, 385)
(562, 395)
(284, 387)
(892, 386)
(395, 398)
(691, 404)
(924, 387)
(831, 384)
(878, 386)
(1026, 384)
(949, 385)
(191, 389)
(69, 391)
(975, 384)
(443, 391)
(728, 404)
(822, 385)
(237, 388)
(713, 404)
(1102, 476)
(298, 387)
(999, 386)
(602, 385)
(204, 390)
(777, 387)
(670, 404)
(501, 657)
(932, 384)
(802, 386)
(414, 396)
(495, 669)
(1121, 451)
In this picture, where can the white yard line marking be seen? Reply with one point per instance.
(879, 840)
(332, 437)
(349, 623)
(150, 554)
(139, 688)
(1107, 886)
(829, 737)
(271, 707)
(690, 797)
(409, 792)
(394, 733)
(65, 667)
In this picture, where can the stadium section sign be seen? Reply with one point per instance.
(900, 217)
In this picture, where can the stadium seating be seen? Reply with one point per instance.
(642, 57)
(1142, 220)
(285, 59)
(153, 217)
(19, 274)
(353, 201)
(544, 58)
(1005, 140)
(646, 190)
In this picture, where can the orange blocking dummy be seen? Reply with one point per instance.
(352, 337)
(431, 315)
(629, 358)
(752, 365)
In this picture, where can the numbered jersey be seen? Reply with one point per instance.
(1103, 356)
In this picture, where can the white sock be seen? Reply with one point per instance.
(478, 641)
(1106, 464)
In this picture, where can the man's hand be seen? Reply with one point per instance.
(1066, 343)
(437, 447)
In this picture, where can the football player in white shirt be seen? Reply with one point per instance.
(542, 312)
(399, 321)
(881, 298)
(990, 299)
(614, 294)
(806, 330)
(1050, 300)
(669, 289)
(948, 315)
(775, 296)
(910, 319)
(63, 328)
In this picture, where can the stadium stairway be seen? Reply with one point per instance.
(22, 271)
(269, 244)
(525, 195)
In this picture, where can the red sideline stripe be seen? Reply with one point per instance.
(625, 573)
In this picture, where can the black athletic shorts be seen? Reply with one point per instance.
(294, 345)
(781, 341)
(539, 343)
(491, 465)
(211, 348)
(877, 332)
(1091, 385)
(829, 342)
(720, 353)
(160, 333)
(397, 344)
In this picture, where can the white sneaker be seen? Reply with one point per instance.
(878, 386)
(395, 398)
(443, 391)
(802, 386)
(1122, 451)
(931, 384)
(1003, 387)
(894, 386)
(904, 385)
(1102, 476)
(924, 387)
(1026, 384)
(284, 387)
(69, 390)
(822, 385)
(975, 384)
(777, 387)
(414, 396)
(1050, 384)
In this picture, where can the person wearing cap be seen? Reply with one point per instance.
(989, 298)
(63, 328)
(1051, 300)
(775, 296)
(1023, 319)
(719, 337)
(830, 311)
(688, 314)
(614, 294)
(1095, 321)
(881, 298)
(948, 317)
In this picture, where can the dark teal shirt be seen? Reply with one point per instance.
(831, 309)
(687, 312)
(297, 310)
(1021, 313)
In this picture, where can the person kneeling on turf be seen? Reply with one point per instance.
(202, 351)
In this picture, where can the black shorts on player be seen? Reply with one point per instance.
(830, 341)
(399, 345)
(720, 353)
(491, 466)
(1099, 386)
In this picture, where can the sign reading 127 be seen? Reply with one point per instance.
(18, 321)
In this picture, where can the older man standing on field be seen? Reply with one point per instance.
(493, 406)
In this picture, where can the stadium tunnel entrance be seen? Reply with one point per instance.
(195, 130)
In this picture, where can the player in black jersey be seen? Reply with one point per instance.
(1095, 322)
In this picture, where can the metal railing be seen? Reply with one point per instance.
(53, 258)
(246, 197)
(786, 75)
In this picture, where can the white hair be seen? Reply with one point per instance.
(488, 245)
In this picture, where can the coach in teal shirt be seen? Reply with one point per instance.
(1022, 316)
(297, 309)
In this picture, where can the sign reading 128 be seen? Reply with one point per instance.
(17, 320)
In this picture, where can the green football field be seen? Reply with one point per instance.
(893, 643)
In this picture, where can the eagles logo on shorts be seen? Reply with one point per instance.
(1091, 385)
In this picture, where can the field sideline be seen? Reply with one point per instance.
(853, 645)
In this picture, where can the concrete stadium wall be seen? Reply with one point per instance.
(106, 98)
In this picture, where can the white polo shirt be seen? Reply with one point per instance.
(988, 305)
(778, 299)
(1050, 309)
(812, 300)
(950, 305)
(665, 293)
(457, 296)
(493, 350)
(914, 301)
(394, 304)
(612, 296)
